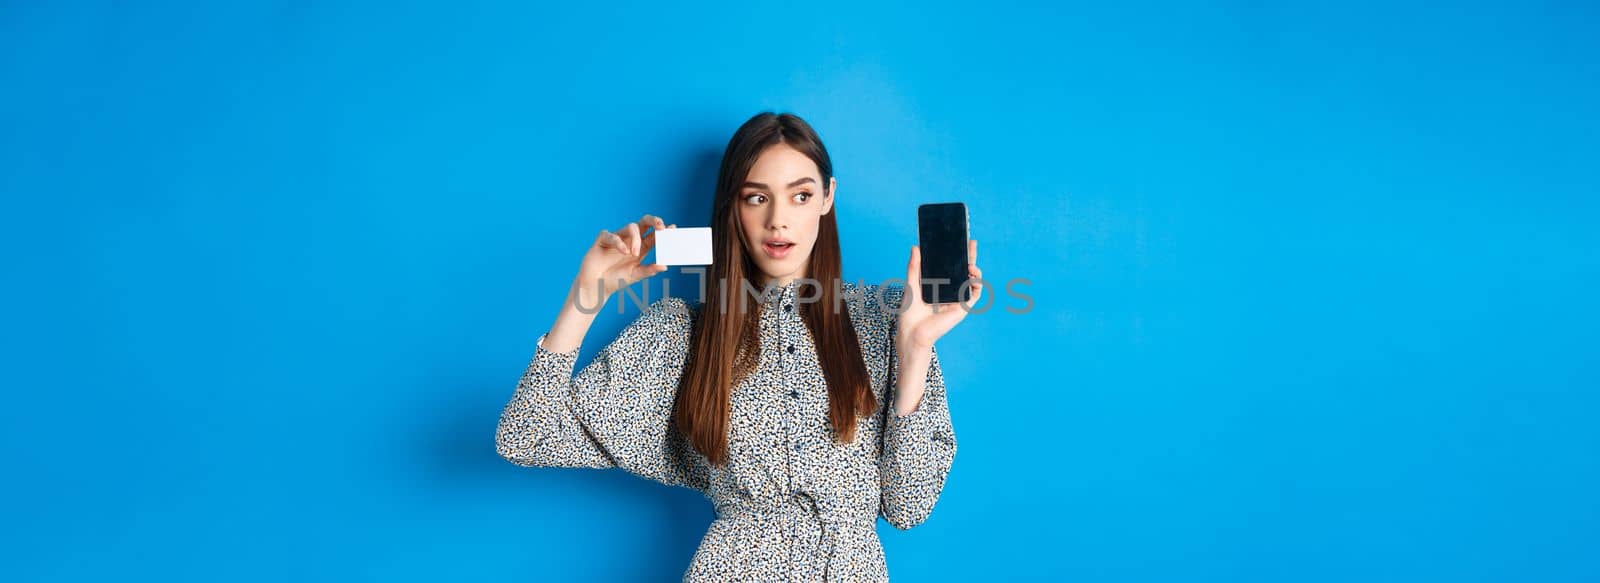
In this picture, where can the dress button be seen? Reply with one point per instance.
(795, 394)
(788, 307)
(791, 349)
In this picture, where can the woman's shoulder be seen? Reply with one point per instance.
(662, 327)
(668, 313)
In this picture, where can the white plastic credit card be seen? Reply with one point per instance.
(683, 246)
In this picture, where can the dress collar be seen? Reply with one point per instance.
(781, 294)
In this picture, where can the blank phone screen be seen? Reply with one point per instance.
(942, 234)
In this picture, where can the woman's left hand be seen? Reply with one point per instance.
(921, 323)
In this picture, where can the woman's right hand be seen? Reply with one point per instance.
(616, 260)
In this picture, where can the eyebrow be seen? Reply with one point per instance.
(759, 185)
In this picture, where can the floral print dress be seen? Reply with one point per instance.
(790, 504)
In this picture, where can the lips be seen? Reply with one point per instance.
(777, 248)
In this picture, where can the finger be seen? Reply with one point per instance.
(650, 238)
(975, 286)
(613, 242)
(948, 317)
(648, 221)
(639, 272)
(628, 232)
(632, 238)
(649, 243)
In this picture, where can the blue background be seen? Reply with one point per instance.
(1313, 286)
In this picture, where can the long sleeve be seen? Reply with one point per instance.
(918, 448)
(617, 412)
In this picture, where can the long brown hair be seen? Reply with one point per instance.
(726, 343)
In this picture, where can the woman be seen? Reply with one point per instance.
(765, 396)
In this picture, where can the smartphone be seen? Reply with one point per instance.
(942, 233)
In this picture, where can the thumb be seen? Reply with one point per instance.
(639, 272)
(914, 271)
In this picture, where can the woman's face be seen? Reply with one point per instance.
(782, 201)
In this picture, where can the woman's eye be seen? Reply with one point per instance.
(753, 198)
(801, 197)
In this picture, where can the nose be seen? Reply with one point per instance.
(777, 218)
